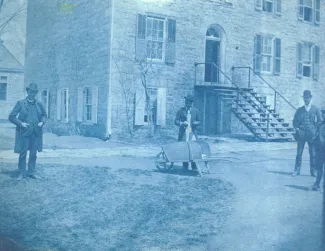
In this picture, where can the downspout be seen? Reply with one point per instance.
(109, 96)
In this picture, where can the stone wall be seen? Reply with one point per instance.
(57, 37)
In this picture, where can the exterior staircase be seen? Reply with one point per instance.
(258, 117)
(250, 107)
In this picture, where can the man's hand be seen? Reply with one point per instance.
(40, 124)
(196, 122)
(184, 124)
(24, 124)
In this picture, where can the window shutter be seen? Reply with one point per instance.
(277, 56)
(299, 60)
(301, 10)
(139, 107)
(257, 53)
(278, 7)
(80, 104)
(316, 62)
(94, 104)
(67, 105)
(47, 103)
(170, 55)
(317, 11)
(161, 107)
(258, 4)
(141, 45)
(58, 105)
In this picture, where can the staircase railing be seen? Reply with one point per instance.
(277, 94)
(250, 70)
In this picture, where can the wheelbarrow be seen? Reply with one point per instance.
(191, 151)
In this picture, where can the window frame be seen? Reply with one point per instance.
(163, 52)
(270, 55)
(86, 105)
(314, 11)
(276, 6)
(4, 81)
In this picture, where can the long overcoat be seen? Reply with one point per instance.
(181, 116)
(19, 115)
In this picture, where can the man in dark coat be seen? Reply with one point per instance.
(188, 119)
(305, 122)
(29, 117)
(320, 152)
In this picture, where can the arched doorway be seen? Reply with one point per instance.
(212, 55)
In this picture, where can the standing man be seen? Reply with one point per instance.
(188, 120)
(305, 122)
(320, 152)
(29, 117)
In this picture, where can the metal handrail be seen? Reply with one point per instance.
(224, 74)
(267, 114)
(275, 91)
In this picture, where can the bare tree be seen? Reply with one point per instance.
(129, 82)
(9, 10)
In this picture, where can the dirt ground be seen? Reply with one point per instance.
(248, 202)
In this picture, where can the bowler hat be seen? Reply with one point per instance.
(189, 97)
(32, 87)
(307, 94)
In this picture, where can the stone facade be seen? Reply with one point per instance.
(77, 44)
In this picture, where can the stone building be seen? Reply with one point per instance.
(12, 54)
(92, 58)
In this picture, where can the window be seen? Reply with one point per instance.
(272, 6)
(87, 102)
(152, 103)
(307, 60)
(156, 38)
(62, 105)
(3, 88)
(157, 105)
(309, 11)
(267, 54)
(45, 101)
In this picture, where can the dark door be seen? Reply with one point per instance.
(211, 117)
(212, 48)
(217, 115)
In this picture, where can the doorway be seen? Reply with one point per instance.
(212, 55)
(217, 114)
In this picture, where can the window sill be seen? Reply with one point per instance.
(273, 14)
(308, 22)
(87, 123)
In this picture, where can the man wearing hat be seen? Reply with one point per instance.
(29, 116)
(188, 119)
(305, 122)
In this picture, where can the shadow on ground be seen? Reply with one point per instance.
(298, 187)
(285, 173)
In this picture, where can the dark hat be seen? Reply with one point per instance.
(32, 87)
(189, 97)
(307, 94)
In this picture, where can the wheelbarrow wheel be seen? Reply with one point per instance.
(161, 162)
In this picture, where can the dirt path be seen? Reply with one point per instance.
(273, 211)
